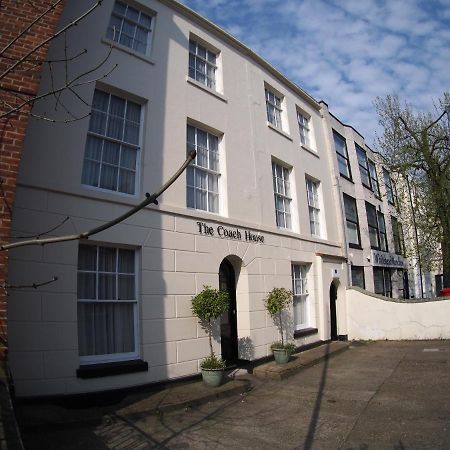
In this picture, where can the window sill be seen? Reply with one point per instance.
(206, 89)
(310, 150)
(284, 134)
(111, 368)
(305, 332)
(128, 50)
(357, 246)
(346, 178)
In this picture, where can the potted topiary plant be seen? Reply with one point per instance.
(276, 301)
(208, 306)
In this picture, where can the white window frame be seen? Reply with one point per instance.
(282, 194)
(313, 197)
(113, 357)
(304, 127)
(105, 138)
(300, 290)
(210, 82)
(115, 35)
(274, 108)
(194, 168)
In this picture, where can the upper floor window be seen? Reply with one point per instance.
(377, 228)
(202, 175)
(342, 155)
(312, 192)
(363, 166)
(304, 128)
(107, 304)
(397, 233)
(202, 64)
(130, 27)
(390, 188)
(112, 146)
(352, 223)
(382, 232)
(300, 290)
(273, 107)
(282, 194)
(373, 178)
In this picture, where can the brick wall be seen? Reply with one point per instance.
(16, 86)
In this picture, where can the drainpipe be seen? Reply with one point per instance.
(344, 229)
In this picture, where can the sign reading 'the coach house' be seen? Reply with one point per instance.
(229, 233)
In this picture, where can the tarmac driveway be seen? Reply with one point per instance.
(375, 395)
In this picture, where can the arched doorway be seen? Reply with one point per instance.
(333, 319)
(228, 324)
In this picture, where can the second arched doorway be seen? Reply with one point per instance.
(228, 324)
(333, 316)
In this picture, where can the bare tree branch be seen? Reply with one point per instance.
(24, 31)
(53, 36)
(85, 235)
(33, 285)
(44, 232)
(72, 84)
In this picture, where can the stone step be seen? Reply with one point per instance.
(298, 361)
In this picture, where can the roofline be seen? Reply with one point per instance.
(196, 17)
(345, 124)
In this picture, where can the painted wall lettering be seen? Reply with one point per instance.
(230, 233)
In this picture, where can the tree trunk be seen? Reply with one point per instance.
(281, 328)
(210, 337)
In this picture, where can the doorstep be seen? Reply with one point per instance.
(298, 361)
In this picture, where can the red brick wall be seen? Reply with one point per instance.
(15, 87)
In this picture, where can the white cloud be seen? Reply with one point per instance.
(347, 53)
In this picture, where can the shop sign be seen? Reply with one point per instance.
(235, 234)
(384, 259)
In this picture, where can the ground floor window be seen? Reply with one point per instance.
(358, 277)
(382, 281)
(300, 290)
(107, 304)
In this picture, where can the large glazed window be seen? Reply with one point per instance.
(382, 281)
(202, 175)
(300, 290)
(107, 304)
(202, 64)
(351, 219)
(274, 110)
(342, 155)
(372, 222)
(112, 145)
(312, 192)
(303, 128)
(282, 193)
(363, 166)
(375, 186)
(130, 27)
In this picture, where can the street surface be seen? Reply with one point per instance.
(376, 395)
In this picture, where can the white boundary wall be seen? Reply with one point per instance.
(372, 316)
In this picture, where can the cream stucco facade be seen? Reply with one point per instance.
(176, 249)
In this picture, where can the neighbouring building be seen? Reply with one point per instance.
(19, 82)
(281, 194)
(374, 238)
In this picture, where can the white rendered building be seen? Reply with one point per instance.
(370, 208)
(258, 208)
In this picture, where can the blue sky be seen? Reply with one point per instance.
(347, 52)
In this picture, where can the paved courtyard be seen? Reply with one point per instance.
(375, 395)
